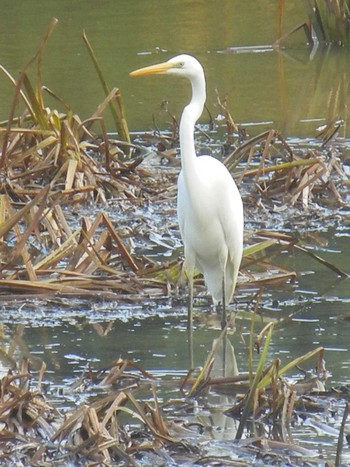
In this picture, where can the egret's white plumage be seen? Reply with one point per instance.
(210, 209)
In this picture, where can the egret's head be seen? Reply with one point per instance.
(182, 65)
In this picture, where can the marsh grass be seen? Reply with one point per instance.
(290, 176)
(51, 160)
(135, 416)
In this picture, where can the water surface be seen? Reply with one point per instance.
(292, 91)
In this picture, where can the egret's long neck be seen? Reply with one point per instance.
(190, 115)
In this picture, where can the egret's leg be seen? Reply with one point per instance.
(190, 318)
(224, 353)
(224, 327)
(223, 319)
(190, 303)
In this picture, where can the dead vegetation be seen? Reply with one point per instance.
(35, 432)
(119, 428)
(52, 162)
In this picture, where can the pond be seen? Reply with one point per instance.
(294, 91)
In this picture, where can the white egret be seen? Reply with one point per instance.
(209, 205)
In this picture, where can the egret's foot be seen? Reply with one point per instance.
(223, 324)
(220, 311)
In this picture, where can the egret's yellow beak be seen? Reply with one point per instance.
(153, 69)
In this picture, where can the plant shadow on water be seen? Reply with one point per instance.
(94, 342)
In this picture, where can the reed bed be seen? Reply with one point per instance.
(52, 162)
(131, 421)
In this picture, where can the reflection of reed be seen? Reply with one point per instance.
(287, 89)
(16, 351)
(330, 20)
(313, 92)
